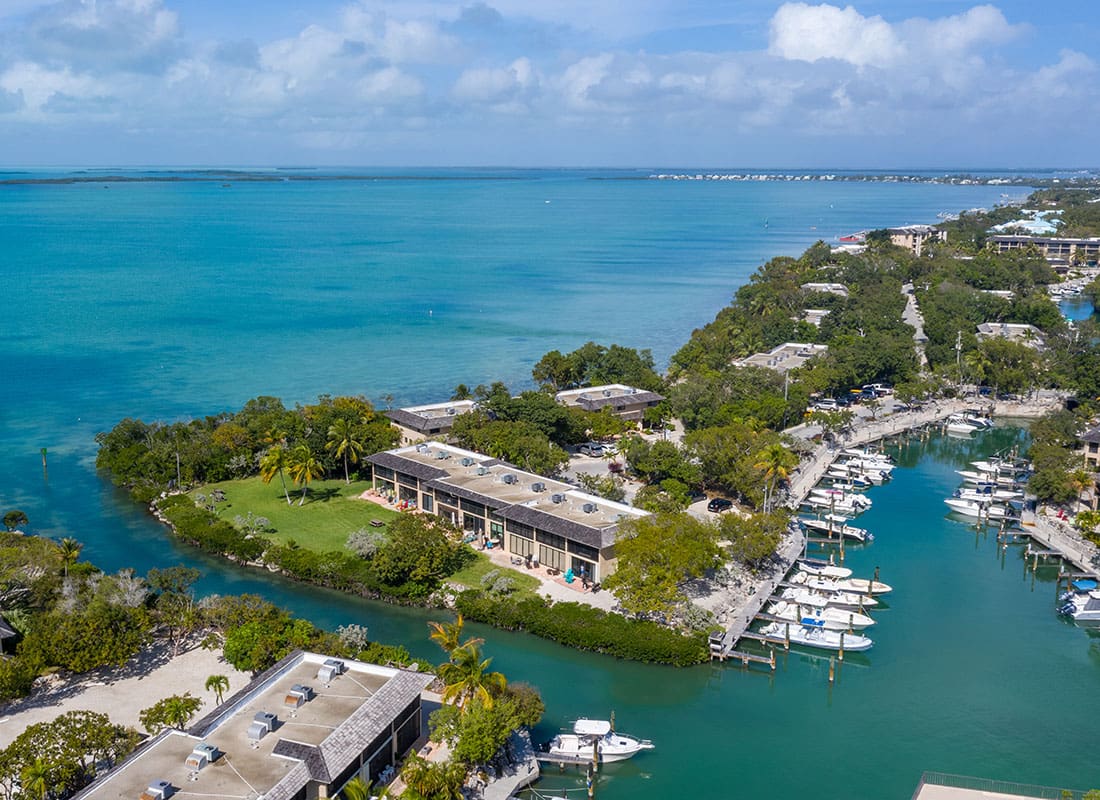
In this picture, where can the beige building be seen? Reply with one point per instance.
(624, 401)
(785, 357)
(532, 517)
(299, 731)
(1052, 248)
(830, 288)
(915, 237)
(1013, 331)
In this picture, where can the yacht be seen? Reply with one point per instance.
(589, 734)
(988, 492)
(867, 452)
(841, 496)
(817, 637)
(975, 417)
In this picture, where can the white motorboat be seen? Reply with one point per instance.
(817, 637)
(975, 417)
(876, 474)
(841, 497)
(868, 465)
(979, 509)
(1082, 602)
(853, 585)
(847, 508)
(823, 568)
(835, 525)
(867, 452)
(595, 733)
(1000, 467)
(957, 423)
(830, 618)
(988, 492)
(971, 476)
(819, 599)
(850, 481)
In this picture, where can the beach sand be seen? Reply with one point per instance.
(123, 692)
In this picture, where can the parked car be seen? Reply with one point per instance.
(591, 449)
(826, 404)
(718, 504)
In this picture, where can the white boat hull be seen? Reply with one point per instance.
(818, 599)
(830, 618)
(818, 637)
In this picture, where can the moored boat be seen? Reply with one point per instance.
(819, 599)
(835, 525)
(817, 567)
(817, 637)
(590, 734)
(828, 617)
(979, 509)
(853, 585)
(1082, 602)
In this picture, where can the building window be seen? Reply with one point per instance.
(1094, 447)
(549, 557)
(472, 507)
(584, 551)
(551, 539)
(496, 530)
(577, 564)
(520, 546)
(427, 502)
(473, 523)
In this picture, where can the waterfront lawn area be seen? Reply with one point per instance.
(332, 510)
(472, 573)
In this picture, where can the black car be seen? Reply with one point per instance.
(719, 504)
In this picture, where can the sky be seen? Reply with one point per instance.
(879, 84)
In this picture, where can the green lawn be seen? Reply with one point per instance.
(471, 575)
(330, 512)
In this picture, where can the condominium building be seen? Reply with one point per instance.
(531, 516)
(299, 731)
(626, 402)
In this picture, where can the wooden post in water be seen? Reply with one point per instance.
(771, 658)
(591, 784)
(832, 669)
(841, 654)
(786, 636)
(595, 754)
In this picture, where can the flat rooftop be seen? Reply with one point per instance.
(248, 768)
(481, 478)
(610, 390)
(784, 357)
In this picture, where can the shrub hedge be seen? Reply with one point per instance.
(585, 628)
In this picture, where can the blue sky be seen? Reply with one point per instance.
(875, 84)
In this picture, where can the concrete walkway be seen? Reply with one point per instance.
(912, 316)
(555, 585)
(1056, 534)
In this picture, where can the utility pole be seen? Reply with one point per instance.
(958, 356)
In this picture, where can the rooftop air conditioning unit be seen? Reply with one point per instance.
(607, 393)
(467, 462)
(441, 454)
(202, 755)
(262, 724)
(508, 478)
(330, 669)
(588, 508)
(583, 396)
(422, 448)
(298, 696)
(557, 498)
(158, 790)
(482, 470)
(538, 486)
(451, 411)
(633, 390)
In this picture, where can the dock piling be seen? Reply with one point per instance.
(832, 669)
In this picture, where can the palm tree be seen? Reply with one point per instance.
(219, 685)
(343, 442)
(466, 677)
(35, 778)
(179, 709)
(274, 462)
(446, 635)
(428, 781)
(777, 462)
(1080, 479)
(303, 468)
(69, 550)
(355, 789)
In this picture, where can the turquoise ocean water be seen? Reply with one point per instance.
(165, 300)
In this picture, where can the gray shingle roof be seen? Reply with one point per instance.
(593, 537)
(419, 423)
(407, 466)
(619, 401)
(1091, 435)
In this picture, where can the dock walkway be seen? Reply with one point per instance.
(1060, 538)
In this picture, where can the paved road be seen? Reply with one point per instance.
(912, 316)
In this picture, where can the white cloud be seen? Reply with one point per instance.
(496, 85)
(38, 85)
(810, 33)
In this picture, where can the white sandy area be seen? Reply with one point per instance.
(122, 693)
